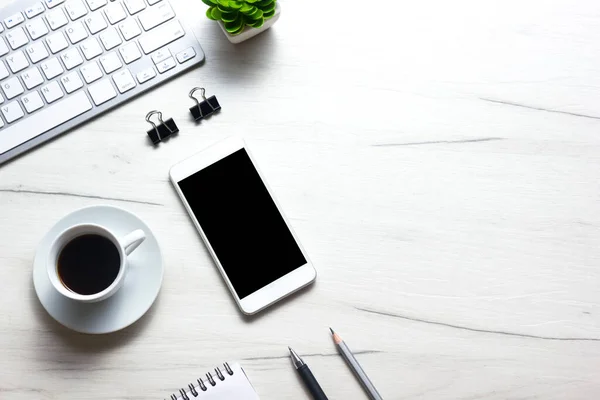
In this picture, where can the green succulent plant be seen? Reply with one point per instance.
(237, 14)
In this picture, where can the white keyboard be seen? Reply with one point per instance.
(63, 62)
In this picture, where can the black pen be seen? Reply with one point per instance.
(307, 377)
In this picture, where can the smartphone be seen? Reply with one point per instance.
(242, 225)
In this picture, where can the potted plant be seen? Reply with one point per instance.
(242, 19)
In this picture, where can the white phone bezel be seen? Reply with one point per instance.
(273, 292)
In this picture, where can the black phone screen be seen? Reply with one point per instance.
(242, 223)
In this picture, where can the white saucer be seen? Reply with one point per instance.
(139, 290)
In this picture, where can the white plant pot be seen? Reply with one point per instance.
(250, 32)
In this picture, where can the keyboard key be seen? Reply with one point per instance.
(115, 13)
(17, 38)
(110, 62)
(36, 28)
(76, 32)
(32, 78)
(14, 20)
(32, 101)
(91, 48)
(71, 82)
(37, 52)
(1, 121)
(3, 47)
(56, 19)
(124, 81)
(57, 42)
(34, 10)
(130, 29)
(53, 3)
(155, 16)
(161, 55)
(3, 71)
(102, 91)
(51, 68)
(71, 58)
(12, 111)
(12, 88)
(96, 4)
(161, 36)
(134, 6)
(110, 38)
(44, 120)
(146, 75)
(153, 2)
(95, 23)
(52, 92)
(75, 9)
(130, 52)
(91, 72)
(17, 61)
(166, 65)
(186, 55)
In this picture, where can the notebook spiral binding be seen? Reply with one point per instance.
(203, 385)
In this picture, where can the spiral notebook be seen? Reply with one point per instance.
(224, 383)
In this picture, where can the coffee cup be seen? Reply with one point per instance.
(88, 263)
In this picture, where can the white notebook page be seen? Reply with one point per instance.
(234, 387)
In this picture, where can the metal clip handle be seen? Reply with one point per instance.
(202, 94)
(151, 113)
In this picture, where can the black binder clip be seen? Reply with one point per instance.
(205, 108)
(163, 131)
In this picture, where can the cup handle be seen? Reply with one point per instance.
(132, 241)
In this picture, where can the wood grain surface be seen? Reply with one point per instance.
(440, 161)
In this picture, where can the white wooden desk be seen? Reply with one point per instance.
(440, 161)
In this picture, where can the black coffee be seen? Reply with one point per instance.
(88, 264)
